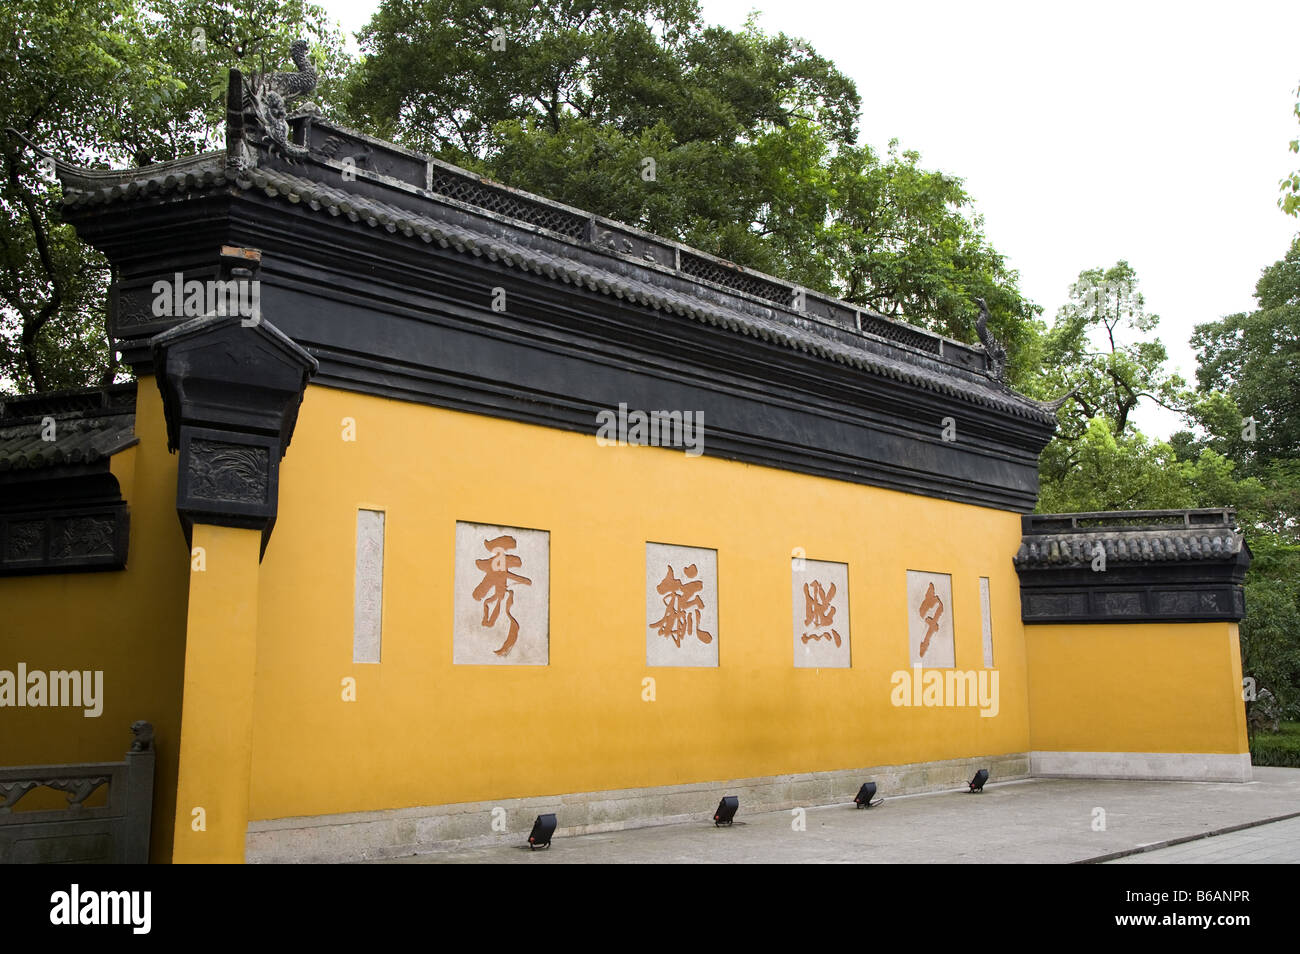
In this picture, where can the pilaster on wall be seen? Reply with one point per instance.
(217, 718)
(231, 388)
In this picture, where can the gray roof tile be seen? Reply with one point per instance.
(88, 426)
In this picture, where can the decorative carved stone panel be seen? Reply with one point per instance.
(25, 540)
(64, 540)
(1173, 604)
(85, 536)
(227, 478)
(224, 471)
(929, 620)
(1049, 605)
(681, 605)
(819, 594)
(1121, 604)
(502, 596)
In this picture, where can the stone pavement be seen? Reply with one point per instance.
(1275, 844)
(1035, 820)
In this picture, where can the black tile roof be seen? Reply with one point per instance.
(89, 425)
(1157, 536)
(912, 355)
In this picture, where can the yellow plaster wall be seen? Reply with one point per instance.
(216, 729)
(1141, 687)
(424, 732)
(130, 624)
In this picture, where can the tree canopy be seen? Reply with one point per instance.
(753, 138)
(1289, 200)
(103, 83)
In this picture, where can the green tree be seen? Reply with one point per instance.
(1102, 345)
(1253, 360)
(1248, 409)
(753, 138)
(107, 82)
(1102, 351)
(1289, 201)
(1105, 470)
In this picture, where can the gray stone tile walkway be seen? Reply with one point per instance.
(1037, 820)
(1274, 844)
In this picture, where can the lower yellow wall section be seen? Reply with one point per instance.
(423, 731)
(1140, 687)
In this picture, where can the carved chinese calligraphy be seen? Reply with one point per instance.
(502, 598)
(681, 585)
(820, 596)
(929, 619)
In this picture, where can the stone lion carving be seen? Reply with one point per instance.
(143, 732)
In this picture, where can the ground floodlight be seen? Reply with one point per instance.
(726, 812)
(865, 795)
(543, 829)
(977, 783)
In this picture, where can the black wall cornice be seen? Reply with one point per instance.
(1154, 566)
(390, 314)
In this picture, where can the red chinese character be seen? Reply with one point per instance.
(819, 612)
(497, 577)
(931, 602)
(682, 606)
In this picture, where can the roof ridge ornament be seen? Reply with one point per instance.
(993, 348)
(61, 166)
(1055, 404)
(264, 99)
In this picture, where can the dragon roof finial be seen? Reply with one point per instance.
(268, 96)
(993, 348)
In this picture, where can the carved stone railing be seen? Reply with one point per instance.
(116, 832)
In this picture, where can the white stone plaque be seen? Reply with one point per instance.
(502, 596)
(929, 620)
(820, 596)
(368, 587)
(681, 606)
(986, 620)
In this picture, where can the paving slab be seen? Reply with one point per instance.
(1028, 821)
(1272, 844)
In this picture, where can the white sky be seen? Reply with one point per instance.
(1087, 133)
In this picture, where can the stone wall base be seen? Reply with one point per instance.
(395, 833)
(1173, 766)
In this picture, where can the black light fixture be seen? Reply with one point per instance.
(865, 795)
(977, 783)
(543, 829)
(726, 812)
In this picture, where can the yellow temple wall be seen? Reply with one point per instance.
(1139, 687)
(424, 731)
(329, 736)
